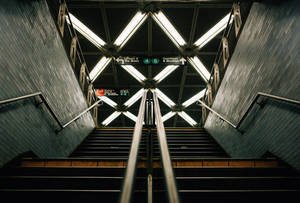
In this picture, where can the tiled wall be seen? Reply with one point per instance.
(32, 59)
(266, 59)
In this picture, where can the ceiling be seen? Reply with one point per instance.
(108, 18)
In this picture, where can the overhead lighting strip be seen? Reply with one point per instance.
(199, 67)
(165, 72)
(112, 117)
(130, 115)
(187, 118)
(99, 68)
(214, 31)
(168, 116)
(130, 29)
(194, 98)
(164, 98)
(134, 98)
(85, 31)
(160, 18)
(134, 72)
(108, 101)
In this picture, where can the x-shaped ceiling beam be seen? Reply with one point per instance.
(160, 18)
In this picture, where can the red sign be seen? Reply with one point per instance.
(100, 92)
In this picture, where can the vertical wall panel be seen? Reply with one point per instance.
(267, 59)
(32, 59)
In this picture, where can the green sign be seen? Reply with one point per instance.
(146, 61)
(155, 60)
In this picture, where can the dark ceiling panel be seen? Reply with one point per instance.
(181, 18)
(118, 19)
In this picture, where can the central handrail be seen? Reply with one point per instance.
(258, 95)
(133, 154)
(40, 95)
(165, 154)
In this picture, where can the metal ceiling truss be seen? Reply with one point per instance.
(162, 20)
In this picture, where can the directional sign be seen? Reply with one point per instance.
(135, 60)
(112, 92)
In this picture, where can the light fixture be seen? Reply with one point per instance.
(200, 68)
(108, 101)
(165, 72)
(100, 66)
(134, 72)
(110, 118)
(130, 115)
(210, 34)
(168, 28)
(187, 118)
(168, 116)
(85, 31)
(164, 98)
(134, 98)
(194, 99)
(130, 29)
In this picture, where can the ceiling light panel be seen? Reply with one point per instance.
(194, 98)
(168, 116)
(130, 29)
(168, 28)
(134, 72)
(108, 101)
(187, 118)
(164, 98)
(165, 72)
(200, 68)
(134, 98)
(110, 118)
(130, 115)
(100, 66)
(85, 31)
(214, 31)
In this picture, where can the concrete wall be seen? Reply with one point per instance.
(267, 59)
(32, 59)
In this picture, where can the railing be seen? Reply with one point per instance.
(226, 47)
(44, 101)
(72, 45)
(165, 155)
(254, 101)
(133, 154)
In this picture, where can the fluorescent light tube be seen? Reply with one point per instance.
(194, 99)
(85, 31)
(108, 101)
(110, 118)
(134, 98)
(187, 118)
(164, 98)
(215, 30)
(200, 68)
(134, 72)
(130, 29)
(165, 72)
(168, 28)
(100, 66)
(130, 115)
(168, 116)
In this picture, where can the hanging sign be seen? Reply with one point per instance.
(112, 92)
(121, 60)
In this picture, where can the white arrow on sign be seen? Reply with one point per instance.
(182, 60)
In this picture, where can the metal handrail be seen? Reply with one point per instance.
(165, 154)
(34, 95)
(133, 154)
(259, 94)
(40, 95)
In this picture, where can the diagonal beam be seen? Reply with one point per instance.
(150, 45)
(194, 23)
(180, 92)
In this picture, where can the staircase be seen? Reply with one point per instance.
(95, 171)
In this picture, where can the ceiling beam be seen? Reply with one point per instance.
(150, 45)
(145, 53)
(193, 27)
